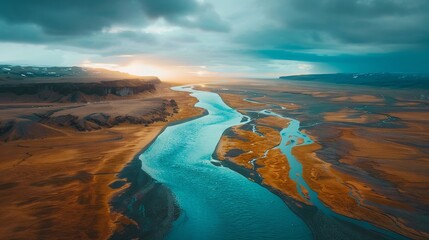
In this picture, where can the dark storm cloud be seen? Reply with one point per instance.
(30, 33)
(159, 8)
(390, 34)
(350, 35)
(82, 17)
(188, 13)
(360, 21)
(69, 17)
(320, 22)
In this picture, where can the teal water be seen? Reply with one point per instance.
(216, 202)
(290, 136)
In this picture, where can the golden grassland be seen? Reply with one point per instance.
(353, 116)
(58, 187)
(384, 153)
(272, 163)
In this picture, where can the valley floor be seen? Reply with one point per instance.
(60, 187)
(369, 159)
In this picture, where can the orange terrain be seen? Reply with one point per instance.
(386, 154)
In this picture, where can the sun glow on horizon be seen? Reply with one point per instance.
(163, 71)
(141, 69)
(137, 68)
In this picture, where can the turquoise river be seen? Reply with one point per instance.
(216, 202)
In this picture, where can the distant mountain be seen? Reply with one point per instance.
(392, 80)
(31, 74)
(39, 102)
(69, 84)
(77, 92)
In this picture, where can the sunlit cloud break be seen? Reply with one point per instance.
(229, 38)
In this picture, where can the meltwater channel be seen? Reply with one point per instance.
(215, 202)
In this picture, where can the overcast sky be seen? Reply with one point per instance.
(224, 37)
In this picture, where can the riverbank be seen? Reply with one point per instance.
(60, 187)
(215, 202)
(145, 208)
(361, 188)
